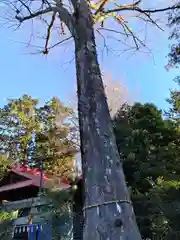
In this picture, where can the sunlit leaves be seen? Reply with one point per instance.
(5, 164)
(33, 133)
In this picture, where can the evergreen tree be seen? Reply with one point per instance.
(149, 147)
(174, 101)
(98, 146)
(18, 124)
(174, 22)
(174, 61)
(29, 132)
(53, 143)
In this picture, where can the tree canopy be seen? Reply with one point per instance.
(103, 181)
(174, 100)
(149, 147)
(62, 16)
(174, 61)
(30, 133)
(174, 22)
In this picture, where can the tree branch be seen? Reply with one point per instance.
(105, 1)
(129, 32)
(144, 14)
(58, 43)
(28, 9)
(34, 15)
(134, 8)
(150, 20)
(101, 7)
(49, 32)
(65, 16)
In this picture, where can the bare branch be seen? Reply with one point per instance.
(106, 1)
(112, 30)
(49, 32)
(134, 8)
(105, 45)
(34, 15)
(135, 38)
(100, 13)
(149, 20)
(101, 6)
(60, 42)
(65, 16)
(144, 14)
(28, 9)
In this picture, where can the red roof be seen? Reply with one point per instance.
(16, 185)
(33, 178)
(25, 171)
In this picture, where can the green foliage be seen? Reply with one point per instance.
(5, 216)
(62, 221)
(5, 164)
(8, 215)
(150, 150)
(59, 213)
(174, 22)
(53, 143)
(29, 133)
(18, 123)
(174, 61)
(174, 101)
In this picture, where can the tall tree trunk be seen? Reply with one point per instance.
(102, 169)
(78, 219)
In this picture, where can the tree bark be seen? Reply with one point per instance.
(102, 169)
(78, 220)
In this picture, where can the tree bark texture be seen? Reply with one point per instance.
(78, 220)
(102, 169)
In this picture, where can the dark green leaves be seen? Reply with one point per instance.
(150, 152)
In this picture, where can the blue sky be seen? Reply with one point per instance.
(44, 77)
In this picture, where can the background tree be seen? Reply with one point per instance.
(174, 101)
(5, 165)
(29, 132)
(174, 61)
(18, 123)
(149, 148)
(54, 143)
(103, 183)
(174, 22)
